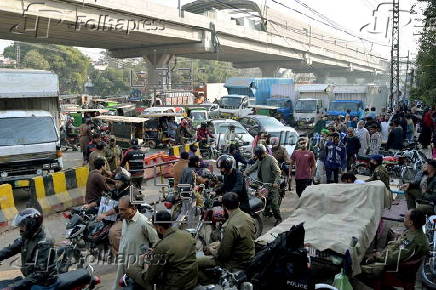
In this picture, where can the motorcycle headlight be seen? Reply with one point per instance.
(68, 233)
(4, 174)
(39, 171)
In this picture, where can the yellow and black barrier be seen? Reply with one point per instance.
(178, 149)
(7, 204)
(59, 191)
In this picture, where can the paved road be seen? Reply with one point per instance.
(55, 225)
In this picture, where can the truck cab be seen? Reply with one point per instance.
(285, 108)
(307, 112)
(29, 146)
(340, 107)
(234, 106)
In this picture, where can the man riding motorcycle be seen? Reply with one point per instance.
(268, 171)
(233, 181)
(108, 209)
(236, 249)
(203, 133)
(182, 133)
(37, 252)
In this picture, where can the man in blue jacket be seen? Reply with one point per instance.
(335, 158)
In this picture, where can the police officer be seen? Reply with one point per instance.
(412, 245)
(37, 252)
(172, 265)
(379, 171)
(135, 157)
(268, 171)
(233, 181)
(236, 250)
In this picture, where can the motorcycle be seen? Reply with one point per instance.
(208, 149)
(76, 280)
(84, 234)
(428, 269)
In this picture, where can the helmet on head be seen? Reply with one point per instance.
(134, 142)
(225, 161)
(259, 150)
(274, 141)
(122, 175)
(203, 125)
(184, 123)
(31, 219)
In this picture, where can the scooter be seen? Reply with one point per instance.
(428, 269)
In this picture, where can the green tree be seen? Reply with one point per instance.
(68, 63)
(33, 59)
(109, 82)
(426, 59)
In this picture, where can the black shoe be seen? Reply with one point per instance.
(278, 221)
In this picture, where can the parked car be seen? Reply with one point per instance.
(257, 123)
(221, 127)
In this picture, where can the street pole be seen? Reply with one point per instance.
(407, 74)
(395, 54)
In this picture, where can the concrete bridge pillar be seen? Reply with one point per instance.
(269, 70)
(158, 72)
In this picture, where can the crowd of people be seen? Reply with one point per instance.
(327, 157)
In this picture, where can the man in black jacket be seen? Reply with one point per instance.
(37, 252)
(135, 157)
(395, 137)
(352, 144)
(233, 181)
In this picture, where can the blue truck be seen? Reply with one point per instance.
(248, 94)
(340, 108)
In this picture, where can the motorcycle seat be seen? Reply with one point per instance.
(71, 279)
(255, 203)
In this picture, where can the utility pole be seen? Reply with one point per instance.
(395, 54)
(17, 54)
(407, 74)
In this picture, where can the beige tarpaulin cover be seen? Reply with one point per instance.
(335, 213)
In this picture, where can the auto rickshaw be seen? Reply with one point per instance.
(80, 115)
(160, 129)
(125, 128)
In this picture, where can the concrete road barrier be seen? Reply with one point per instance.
(7, 205)
(59, 191)
(176, 150)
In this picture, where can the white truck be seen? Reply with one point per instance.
(29, 125)
(234, 106)
(311, 101)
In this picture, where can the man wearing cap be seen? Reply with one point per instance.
(379, 171)
(135, 158)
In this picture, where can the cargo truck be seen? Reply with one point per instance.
(243, 92)
(356, 98)
(29, 125)
(311, 101)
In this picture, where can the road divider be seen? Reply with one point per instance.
(176, 150)
(59, 191)
(7, 205)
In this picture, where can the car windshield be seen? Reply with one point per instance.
(223, 128)
(305, 106)
(343, 106)
(277, 102)
(231, 101)
(286, 137)
(269, 122)
(27, 131)
(198, 116)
